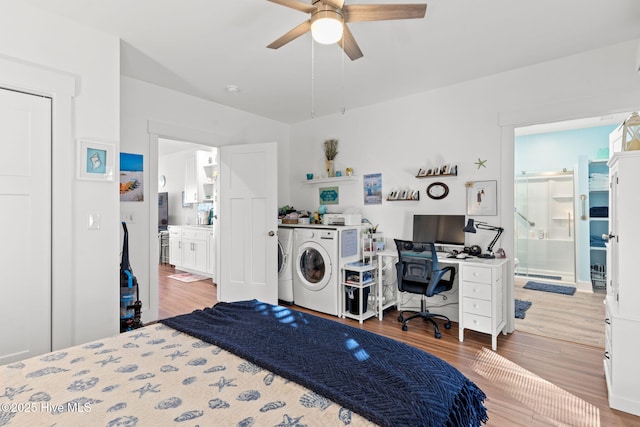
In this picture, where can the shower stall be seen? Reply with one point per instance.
(544, 226)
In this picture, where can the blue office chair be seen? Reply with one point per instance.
(418, 273)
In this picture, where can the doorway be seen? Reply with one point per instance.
(174, 296)
(552, 242)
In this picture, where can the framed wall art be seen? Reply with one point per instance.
(373, 189)
(329, 195)
(131, 177)
(95, 160)
(482, 198)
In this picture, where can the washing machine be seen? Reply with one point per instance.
(315, 270)
(285, 258)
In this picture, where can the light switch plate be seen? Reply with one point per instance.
(94, 221)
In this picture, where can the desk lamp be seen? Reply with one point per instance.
(470, 228)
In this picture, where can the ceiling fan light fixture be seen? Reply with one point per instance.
(327, 26)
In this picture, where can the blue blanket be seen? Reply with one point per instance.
(386, 381)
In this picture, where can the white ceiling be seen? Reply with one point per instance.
(201, 46)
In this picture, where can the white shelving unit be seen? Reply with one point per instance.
(359, 286)
(371, 243)
(208, 173)
(598, 197)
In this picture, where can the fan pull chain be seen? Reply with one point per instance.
(342, 55)
(313, 77)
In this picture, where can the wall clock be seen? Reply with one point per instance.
(438, 190)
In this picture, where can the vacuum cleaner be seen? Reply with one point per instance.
(130, 305)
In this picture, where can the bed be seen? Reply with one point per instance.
(240, 364)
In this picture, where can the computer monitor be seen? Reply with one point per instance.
(440, 229)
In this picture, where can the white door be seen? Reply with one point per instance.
(25, 252)
(247, 223)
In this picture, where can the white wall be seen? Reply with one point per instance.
(458, 124)
(149, 111)
(85, 270)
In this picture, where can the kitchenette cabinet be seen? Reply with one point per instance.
(192, 249)
(201, 172)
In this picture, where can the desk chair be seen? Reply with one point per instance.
(418, 273)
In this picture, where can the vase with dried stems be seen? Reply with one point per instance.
(330, 153)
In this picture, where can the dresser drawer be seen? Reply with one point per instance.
(476, 290)
(476, 274)
(477, 306)
(477, 322)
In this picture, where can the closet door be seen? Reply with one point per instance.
(25, 251)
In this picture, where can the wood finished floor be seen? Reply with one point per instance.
(576, 368)
(577, 318)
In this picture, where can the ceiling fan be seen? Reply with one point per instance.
(328, 21)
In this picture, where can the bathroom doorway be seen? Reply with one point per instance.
(551, 218)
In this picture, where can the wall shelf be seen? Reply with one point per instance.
(330, 180)
(403, 196)
(442, 175)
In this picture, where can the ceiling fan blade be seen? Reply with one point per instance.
(349, 45)
(297, 5)
(335, 3)
(291, 35)
(383, 12)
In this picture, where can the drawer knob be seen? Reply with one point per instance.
(475, 305)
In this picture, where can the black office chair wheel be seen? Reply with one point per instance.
(447, 325)
(405, 327)
(438, 335)
(400, 318)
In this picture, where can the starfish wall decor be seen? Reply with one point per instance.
(481, 163)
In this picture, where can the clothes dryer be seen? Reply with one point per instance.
(285, 258)
(315, 271)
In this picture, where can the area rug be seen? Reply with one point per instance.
(560, 407)
(187, 277)
(548, 287)
(521, 308)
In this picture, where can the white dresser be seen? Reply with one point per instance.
(622, 322)
(482, 306)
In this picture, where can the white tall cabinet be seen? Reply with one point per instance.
(622, 323)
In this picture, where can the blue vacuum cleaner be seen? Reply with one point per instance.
(130, 305)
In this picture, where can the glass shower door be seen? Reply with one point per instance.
(544, 227)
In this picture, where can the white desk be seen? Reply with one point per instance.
(482, 305)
